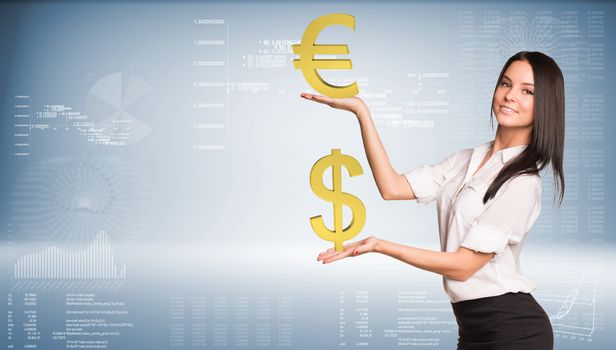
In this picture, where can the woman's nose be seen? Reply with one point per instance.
(509, 96)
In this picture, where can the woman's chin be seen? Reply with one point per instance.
(511, 121)
(510, 124)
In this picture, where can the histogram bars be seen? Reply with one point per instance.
(96, 261)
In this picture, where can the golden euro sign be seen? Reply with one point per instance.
(336, 160)
(309, 65)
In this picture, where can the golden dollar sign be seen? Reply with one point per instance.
(338, 198)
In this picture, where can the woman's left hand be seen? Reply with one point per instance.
(351, 104)
(352, 249)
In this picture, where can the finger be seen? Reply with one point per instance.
(323, 99)
(331, 254)
(335, 257)
(330, 250)
(358, 251)
(310, 96)
(307, 96)
(317, 98)
(344, 247)
(361, 248)
(326, 255)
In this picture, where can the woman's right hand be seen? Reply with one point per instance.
(351, 104)
(367, 245)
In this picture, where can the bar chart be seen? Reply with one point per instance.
(95, 261)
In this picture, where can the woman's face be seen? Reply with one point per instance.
(516, 91)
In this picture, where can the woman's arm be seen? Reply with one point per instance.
(391, 185)
(458, 266)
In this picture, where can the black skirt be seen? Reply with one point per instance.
(504, 322)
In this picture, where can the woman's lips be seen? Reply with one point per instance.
(507, 110)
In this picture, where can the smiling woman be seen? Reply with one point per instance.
(487, 199)
(529, 104)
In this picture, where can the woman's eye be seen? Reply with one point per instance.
(529, 92)
(504, 83)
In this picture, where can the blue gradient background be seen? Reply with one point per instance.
(235, 222)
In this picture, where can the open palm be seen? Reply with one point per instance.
(351, 104)
(352, 249)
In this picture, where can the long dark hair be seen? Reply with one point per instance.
(548, 135)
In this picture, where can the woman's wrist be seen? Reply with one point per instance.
(361, 111)
(362, 117)
(378, 246)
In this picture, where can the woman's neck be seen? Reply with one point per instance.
(510, 137)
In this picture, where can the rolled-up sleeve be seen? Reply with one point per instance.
(507, 217)
(427, 180)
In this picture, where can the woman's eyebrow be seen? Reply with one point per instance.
(504, 76)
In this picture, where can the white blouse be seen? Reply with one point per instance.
(499, 226)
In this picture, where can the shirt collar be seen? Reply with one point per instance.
(506, 154)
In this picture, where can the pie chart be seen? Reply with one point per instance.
(108, 106)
